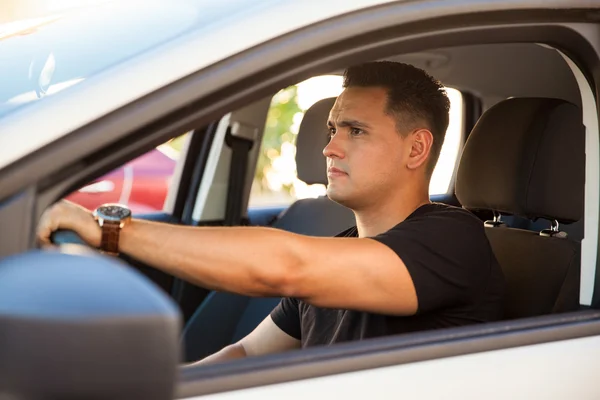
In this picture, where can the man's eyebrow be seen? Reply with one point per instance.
(350, 123)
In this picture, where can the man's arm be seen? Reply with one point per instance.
(265, 339)
(347, 273)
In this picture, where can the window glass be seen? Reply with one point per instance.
(441, 179)
(141, 184)
(48, 46)
(276, 182)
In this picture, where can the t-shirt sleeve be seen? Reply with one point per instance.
(287, 317)
(447, 257)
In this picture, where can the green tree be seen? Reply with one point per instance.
(280, 118)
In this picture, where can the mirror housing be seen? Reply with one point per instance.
(84, 326)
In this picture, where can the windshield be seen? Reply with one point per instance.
(42, 56)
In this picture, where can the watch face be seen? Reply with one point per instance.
(113, 212)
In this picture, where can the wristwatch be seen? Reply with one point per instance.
(111, 218)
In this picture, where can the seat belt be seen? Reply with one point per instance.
(240, 138)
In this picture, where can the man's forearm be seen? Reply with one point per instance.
(250, 261)
(228, 353)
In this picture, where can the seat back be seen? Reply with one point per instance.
(213, 324)
(526, 158)
(224, 318)
(542, 273)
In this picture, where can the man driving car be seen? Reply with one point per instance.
(408, 264)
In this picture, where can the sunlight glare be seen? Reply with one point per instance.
(320, 87)
(60, 5)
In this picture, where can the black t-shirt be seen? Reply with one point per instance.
(456, 276)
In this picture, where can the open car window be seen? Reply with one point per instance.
(276, 182)
(141, 184)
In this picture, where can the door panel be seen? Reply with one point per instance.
(476, 361)
(556, 370)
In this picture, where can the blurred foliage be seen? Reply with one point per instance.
(280, 118)
(177, 143)
(277, 131)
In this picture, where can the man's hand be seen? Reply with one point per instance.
(67, 215)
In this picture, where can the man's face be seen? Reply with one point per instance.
(366, 154)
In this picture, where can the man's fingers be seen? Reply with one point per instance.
(67, 215)
(41, 229)
(46, 226)
(43, 235)
(48, 246)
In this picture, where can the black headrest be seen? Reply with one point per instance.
(526, 157)
(312, 139)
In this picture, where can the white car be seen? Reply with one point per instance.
(87, 91)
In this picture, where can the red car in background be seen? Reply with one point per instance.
(142, 184)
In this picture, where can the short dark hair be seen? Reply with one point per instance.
(413, 96)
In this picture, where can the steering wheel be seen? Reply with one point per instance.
(68, 237)
(64, 236)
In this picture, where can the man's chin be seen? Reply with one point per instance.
(336, 196)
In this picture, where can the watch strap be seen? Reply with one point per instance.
(110, 237)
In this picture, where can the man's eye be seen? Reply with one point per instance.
(356, 131)
(330, 132)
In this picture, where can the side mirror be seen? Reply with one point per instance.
(84, 326)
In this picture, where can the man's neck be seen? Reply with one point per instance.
(382, 217)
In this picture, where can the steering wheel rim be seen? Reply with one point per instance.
(66, 236)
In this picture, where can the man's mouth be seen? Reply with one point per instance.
(333, 172)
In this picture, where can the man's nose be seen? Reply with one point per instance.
(334, 148)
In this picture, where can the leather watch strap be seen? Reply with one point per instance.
(110, 237)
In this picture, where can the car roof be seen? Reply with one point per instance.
(154, 59)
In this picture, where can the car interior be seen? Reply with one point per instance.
(520, 168)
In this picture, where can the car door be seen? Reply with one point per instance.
(507, 359)
(515, 350)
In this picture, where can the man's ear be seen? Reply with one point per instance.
(422, 140)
